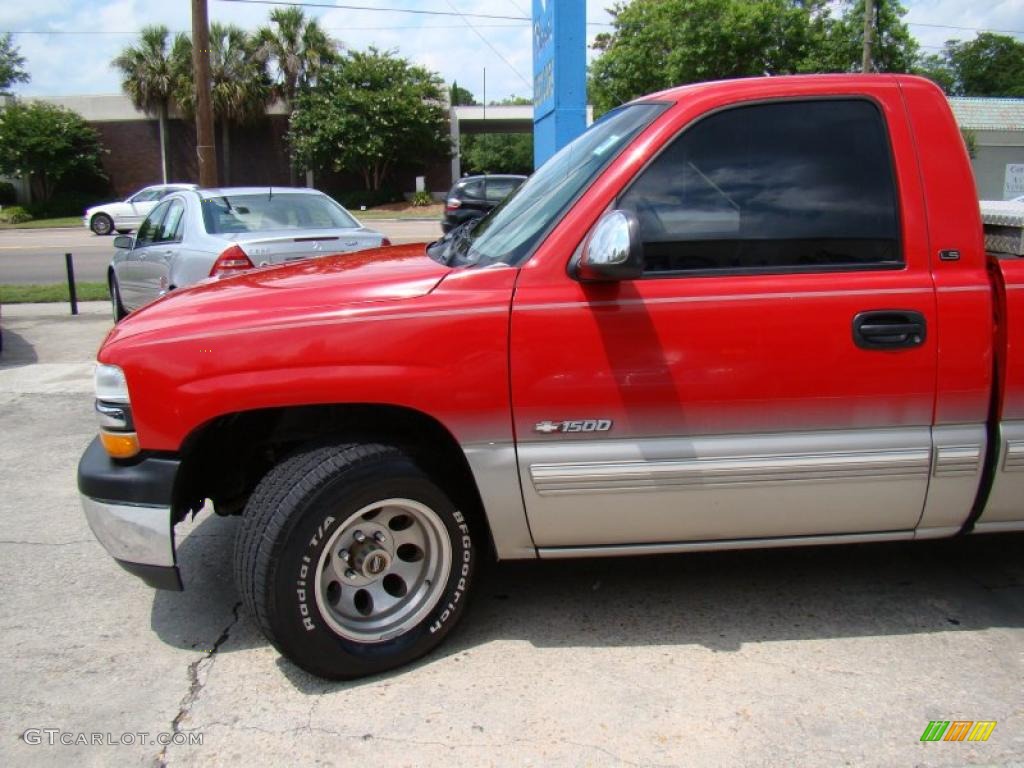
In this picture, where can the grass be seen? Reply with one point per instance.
(400, 211)
(24, 294)
(64, 221)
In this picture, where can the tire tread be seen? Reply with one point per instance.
(271, 506)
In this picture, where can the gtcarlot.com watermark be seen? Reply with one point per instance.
(57, 737)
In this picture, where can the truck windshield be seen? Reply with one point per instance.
(511, 231)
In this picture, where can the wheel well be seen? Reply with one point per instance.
(226, 458)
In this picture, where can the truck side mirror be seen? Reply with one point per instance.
(124, 242)
(612, 250)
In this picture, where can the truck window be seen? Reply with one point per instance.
(782, 187)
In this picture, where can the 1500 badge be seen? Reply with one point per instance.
(577, 425)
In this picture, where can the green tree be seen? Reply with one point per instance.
(498, 153)
(47, 144)
(369, 113)
(12, 64)
(150, 74)
(656, 44)
(893, 48)
(240, 86)
(299, 50)
(937, 68)
(460, 97)
(988, 65)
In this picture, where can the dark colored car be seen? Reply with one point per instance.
(473, 196)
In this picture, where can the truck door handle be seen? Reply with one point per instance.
(889, 329)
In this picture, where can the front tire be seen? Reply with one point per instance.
(115, 301)
(101, 224)
(352, 560)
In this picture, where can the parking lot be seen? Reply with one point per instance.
(37, 255)
(812, 657)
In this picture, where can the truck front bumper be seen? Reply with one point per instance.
(128, 507)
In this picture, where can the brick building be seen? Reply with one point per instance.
(258, 150)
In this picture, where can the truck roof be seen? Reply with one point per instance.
(775, 85)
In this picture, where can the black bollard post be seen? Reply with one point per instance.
(71, 283)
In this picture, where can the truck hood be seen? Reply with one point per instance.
(302, 289)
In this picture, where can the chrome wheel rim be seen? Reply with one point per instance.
(101, 226)
(383, 570)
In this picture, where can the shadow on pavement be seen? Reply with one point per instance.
(17, 350)
(718, 600)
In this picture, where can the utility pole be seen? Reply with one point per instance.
(206, 150)
(869, 19)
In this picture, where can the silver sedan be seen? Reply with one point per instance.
(195, 234)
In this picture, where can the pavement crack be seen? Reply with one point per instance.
(198, 673)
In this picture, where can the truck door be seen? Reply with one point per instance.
(772, 374)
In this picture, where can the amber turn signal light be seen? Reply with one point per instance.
(120, 445)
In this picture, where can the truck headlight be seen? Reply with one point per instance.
(110, 384)
(113, 409)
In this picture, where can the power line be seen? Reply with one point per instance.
(519, 7)
(970, 29)
(488, 44)
(417, 11)
(185, 31)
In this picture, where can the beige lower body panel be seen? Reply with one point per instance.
(1006, 501)
(722, 490)
(494, 468)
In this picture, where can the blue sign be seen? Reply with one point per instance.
(559, 75)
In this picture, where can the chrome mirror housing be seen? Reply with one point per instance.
(612, 250)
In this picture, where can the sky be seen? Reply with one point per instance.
(68, 44)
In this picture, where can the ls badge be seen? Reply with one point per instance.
(578, 425)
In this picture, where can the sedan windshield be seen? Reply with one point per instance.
(511, 232)
(269, 211)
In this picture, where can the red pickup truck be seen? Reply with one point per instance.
(741, 314)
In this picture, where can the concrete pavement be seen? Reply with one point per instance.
(812, 657)
(37, 255)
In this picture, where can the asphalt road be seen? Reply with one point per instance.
(811, 657)
(37, 255)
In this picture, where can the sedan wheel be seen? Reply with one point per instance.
(101, 224)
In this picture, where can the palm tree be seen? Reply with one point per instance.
(299, 49)
(149, 72)
(240, 87)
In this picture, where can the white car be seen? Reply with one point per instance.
(128, 214)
